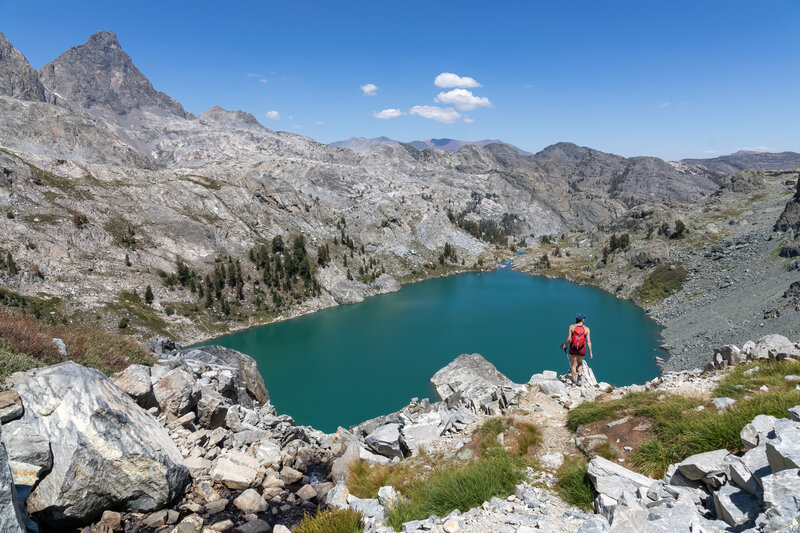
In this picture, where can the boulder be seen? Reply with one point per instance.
(10, 406)
(368, 507)
(269, 454)
(107, 451)
(709, 467)
(135, 380)
(387, 496)
(306, 492)
(28, 450)
(417, 436)
(212, 409)
(770, 343)
(612, 480)
(723, 403)
(553, 387)
(250, 501)
(247, 383)
(783, 446)
(794, 413)
(782, 492)
(757, 430)
(12, 517)
(735, 506)
(470, 377)
(337, 496)
(175, 392)
(290, 476)
(386, 441)
(234, 476)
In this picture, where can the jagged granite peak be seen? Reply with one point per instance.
(17, 78)
(219, 116)
(98, 76)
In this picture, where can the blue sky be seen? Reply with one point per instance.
(670, 79)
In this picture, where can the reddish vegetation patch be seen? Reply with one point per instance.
(633, 433)
(105, 351)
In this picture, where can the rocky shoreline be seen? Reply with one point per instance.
(192, 444)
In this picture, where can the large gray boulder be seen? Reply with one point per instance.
(783, 446)
(386, 441)
(107, 452)
(469, 377)
(757, 430)
(770, 345)
(782, 494)
(176, 393)
(735, 506)
(135, 380)
(12, 519)
(612, 480)
(709, 467)
(247, 383)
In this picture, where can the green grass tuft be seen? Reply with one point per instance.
(573, 483)
(458, 487)
(528, 435)
(331, 521)
(606, 450)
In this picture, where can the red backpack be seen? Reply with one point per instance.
(578, 340)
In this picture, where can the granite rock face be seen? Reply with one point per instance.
(106, 451)
(17, 78)
(100, 77)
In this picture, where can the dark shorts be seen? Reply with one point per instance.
(581, 352)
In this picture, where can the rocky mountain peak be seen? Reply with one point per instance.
(219, 116)
(100, 77)
(17, 78)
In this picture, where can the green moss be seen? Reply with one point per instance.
(662, 282)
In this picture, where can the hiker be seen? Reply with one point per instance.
(577, 341)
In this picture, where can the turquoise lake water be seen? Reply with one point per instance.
(344, 365)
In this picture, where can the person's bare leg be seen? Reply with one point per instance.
(573, 361)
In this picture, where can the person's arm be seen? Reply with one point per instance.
(569, 334)
(589, 342)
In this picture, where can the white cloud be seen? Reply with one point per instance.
(263, 80)
(447, 80)
(710, 152)
(758, 149)
(462, 99)
(296, 127)
(528, 86)
(253, 75)
(469, 120)
(291, 117)
(446, 115)
(662, 106)
(273, 115)
(319, 122)
(387, 113)
(369, 89)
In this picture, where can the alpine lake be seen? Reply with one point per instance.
(347, 364)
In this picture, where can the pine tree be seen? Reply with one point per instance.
(11, 265)
(148, 295)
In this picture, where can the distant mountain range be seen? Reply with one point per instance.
(359, 144)
(726, 164)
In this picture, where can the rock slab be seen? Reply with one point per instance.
(107, 451)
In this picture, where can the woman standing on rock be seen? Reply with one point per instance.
(577, 340)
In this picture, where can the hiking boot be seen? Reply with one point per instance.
(580, 380)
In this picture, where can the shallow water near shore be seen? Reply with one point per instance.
(344, 365)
